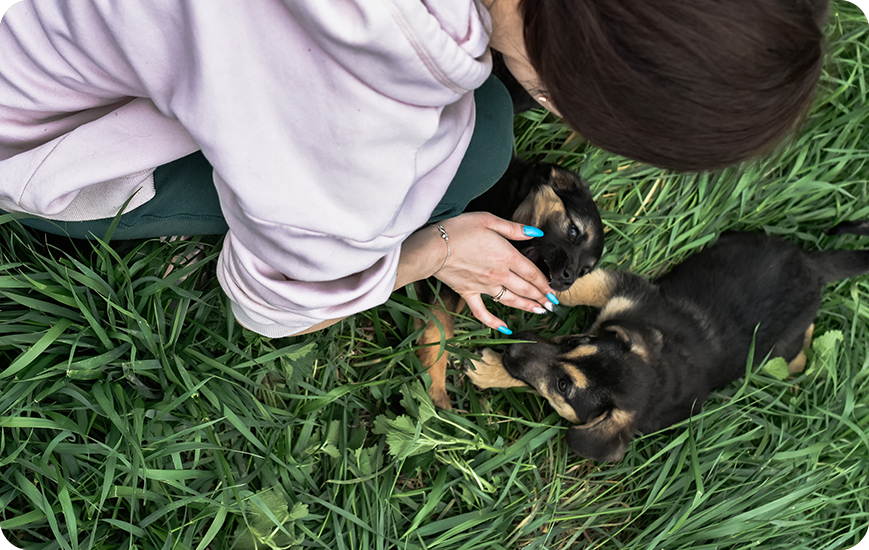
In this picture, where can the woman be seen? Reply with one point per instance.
(335, 129)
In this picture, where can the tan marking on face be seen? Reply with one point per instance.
(566, 181)
(595, 290)
(561, 406)
(557, 400)
(579, 352)
(539, 207)
(588, 229)
(579, 379)
(489, 372)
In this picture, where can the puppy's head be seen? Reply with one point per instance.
(601, 382)
(560, 204)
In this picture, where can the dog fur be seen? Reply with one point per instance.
(546, 196)
(657, 350)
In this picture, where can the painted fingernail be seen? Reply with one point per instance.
(505, 330)
(551, 297)
(532, 231)
(549, 306)
(539, 310)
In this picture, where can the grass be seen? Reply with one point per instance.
(134, 413)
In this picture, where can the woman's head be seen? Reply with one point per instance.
(683, 85)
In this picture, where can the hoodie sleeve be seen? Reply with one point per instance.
(334, 128)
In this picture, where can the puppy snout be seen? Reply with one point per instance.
(526, 335)
(514, 350)
(567, 276)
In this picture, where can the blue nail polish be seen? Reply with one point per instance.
(551, 297)
(532, 231)
(505, 330)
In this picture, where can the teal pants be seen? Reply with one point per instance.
(186, 202)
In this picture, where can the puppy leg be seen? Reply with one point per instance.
(432, 355)
(595, 289)
(807, 339)
(489, 372)
(798, 363)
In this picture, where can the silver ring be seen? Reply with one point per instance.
(500, 295)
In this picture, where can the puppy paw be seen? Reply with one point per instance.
(594, 289)
(489, 372)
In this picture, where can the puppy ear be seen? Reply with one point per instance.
(563, 179)
(622, 333)
(604, 439)
(646, 342)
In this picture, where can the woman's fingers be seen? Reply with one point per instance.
(484, 262)
(511, 230)
(523, 267)
(528, 295)
(513, 260)
(508, 298)
(475, 303)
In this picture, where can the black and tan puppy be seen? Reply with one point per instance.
(546, 196)
(657, 350)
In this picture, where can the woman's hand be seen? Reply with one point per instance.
(481, 261)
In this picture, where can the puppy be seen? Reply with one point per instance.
(657, 350)
(546, 196)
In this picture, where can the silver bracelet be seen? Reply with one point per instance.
(446, 238)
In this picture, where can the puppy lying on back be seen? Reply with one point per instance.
(657, 350)
(545, 196)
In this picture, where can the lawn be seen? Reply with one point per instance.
(135, 413)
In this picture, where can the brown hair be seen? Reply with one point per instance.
(686, 85)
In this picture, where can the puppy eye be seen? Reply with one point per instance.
(563, 385)
(573, 232)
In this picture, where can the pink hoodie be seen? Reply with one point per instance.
(334, 128)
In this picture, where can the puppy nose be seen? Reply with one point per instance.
(567, 276)
(515, 349)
